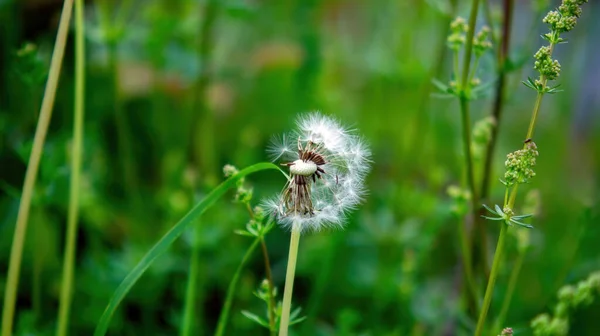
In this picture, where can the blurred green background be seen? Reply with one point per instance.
(176, 89)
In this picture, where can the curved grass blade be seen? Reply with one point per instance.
(167, 240)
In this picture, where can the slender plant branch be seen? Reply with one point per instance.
(492, 280)
(512, 284)
(222, 324)
(499, 96)
(289, 280)
(271, 305)
(464, 103)
(201, 116)
(466, 259)
(510, 204)
(66, 291)
(265, 252)
(16, 252)
(463, 87)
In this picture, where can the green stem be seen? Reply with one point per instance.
(491, 281)
(466, 256)
(469, 46)
(289, 280)
(466, 125)
(231, 289)
(66, 291)
(512, 284)
(271, 303)
(265, 252)
(536, 108)
(187, 327)
(499, 97)
(16, 252)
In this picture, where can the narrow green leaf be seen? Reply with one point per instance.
(490, 209)
(493, 218)
(168, 239)
(440, 86)
(256, 318)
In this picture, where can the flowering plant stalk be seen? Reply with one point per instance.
(519, 164)
(327, 165)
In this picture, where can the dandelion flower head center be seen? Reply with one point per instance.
(303, 168)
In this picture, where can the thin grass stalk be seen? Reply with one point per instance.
(66, 291)
(187, 328)
(16, 253)
(224, 316)
(289, 280)
(207, 166)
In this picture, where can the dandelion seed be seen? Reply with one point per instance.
(327, 165)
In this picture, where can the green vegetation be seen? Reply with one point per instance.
(122, 211)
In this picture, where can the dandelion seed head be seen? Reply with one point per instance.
(327, 164)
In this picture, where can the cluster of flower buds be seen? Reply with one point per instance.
(545, 65)
(243, 194)
(560, 21)
(457, 37)
(569, 298)
(481, 44)
(519, 164)
(506, 332)
(565, 18)
(482, 133)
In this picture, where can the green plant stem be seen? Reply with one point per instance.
(265, 252)
(512, 284)
(466, 259)
(498, 99)
(16, 252)
(66, 291)
(289, 280)
(201, 150)
(271, 305)
(491, 281)
(231, 289)
(463, 87)
(187, 327)
(489, 291)
(469, 46)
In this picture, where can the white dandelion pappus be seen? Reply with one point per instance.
(328, 164)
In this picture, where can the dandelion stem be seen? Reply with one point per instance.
(512, 284)
(492, 280)
(66, 291)
(231, 289)
(16, 252)
(289, 280)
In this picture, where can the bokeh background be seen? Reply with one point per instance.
(176, 89)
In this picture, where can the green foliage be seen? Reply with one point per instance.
(569, 298)
(394, 269)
